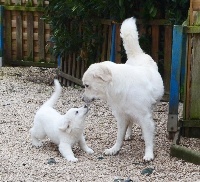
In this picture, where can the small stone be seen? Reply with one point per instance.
(51, 161)
(100, 158)
(147, 171)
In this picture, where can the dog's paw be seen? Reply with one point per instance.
(111, 151)
(148, 157)
(128, 138)
(89, 151)
(72, 159)
(37, 144)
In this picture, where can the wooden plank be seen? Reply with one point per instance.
(8, 37)
(185, 154)
(172, 125)
(141, 29)
(103, 52)
(192, 29)
(70, 78)
(155, 42)
(109, 41)
(118, 44)
(188, 79)
(65, 69)
(30, 37)
(78, 69)
(24, 8)
(195, 5)
(41, 39)
(69, 67)
(167, 57)
(73, 67)
(195, 75)
(19, 37)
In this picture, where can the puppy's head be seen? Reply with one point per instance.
(95, 81)
(74, 119)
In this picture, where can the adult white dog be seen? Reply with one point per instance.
(130, 89)
(63, 130)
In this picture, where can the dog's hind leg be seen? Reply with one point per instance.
(37, 134)
(121, 131)
(148, 129)
(66, 151)
(128, 135)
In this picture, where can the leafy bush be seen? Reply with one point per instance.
(74, 23)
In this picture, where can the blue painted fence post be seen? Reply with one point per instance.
(112, 52)
(1, 35)
(177, 56)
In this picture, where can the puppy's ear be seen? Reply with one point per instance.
(103, 72)
(66, 127)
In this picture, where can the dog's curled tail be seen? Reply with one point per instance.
(55, 95)
(129, 35)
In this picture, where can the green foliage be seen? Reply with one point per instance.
(75, 24)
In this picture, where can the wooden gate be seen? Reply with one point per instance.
(26, 34)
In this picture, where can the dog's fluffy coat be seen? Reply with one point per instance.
(63, 130)
(130, 89)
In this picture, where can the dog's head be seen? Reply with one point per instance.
(74, 119)
(95, 81)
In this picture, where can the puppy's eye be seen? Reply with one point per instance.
(86, 85)
(76, 112)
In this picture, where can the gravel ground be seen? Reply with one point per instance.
(22, 92)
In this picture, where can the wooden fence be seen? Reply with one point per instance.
(160, 33)
(26, 36)
(26, 33)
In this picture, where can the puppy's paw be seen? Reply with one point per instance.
(111, 151)
(148, 157)
(72, 159)
(89, 151)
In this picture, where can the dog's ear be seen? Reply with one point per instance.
(66, 126)
(103, 72)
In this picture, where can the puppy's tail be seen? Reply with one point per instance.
(129, 35)
(55, 95)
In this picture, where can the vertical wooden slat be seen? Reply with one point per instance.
(73, 67)
(188, 79)
(65, 69)
(8, 36)
(104, 43)
(195, 75)
(155, 42)
(69, 67)
(167, 57)
(118, 44)
(30, 48)
(78, 69)
(141, 29)
(19, 37)
(109, 41)
(41, 38)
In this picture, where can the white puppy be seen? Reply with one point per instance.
(63, 130)
(130, 89)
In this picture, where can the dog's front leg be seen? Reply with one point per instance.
(122, 126)
(66, 151)
(84, 146)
